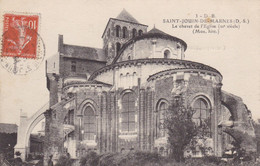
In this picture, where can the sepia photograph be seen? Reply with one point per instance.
(129, 83)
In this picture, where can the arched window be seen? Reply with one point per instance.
(89, 120)
(124, 32)
(118, 29)
(166, 54)
(118, 46)
(128, 112)
(134, 32)
(162, 108)
(201, 115)
(140, 32)
(71, 117)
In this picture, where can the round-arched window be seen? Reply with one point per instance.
(162, 109)
(89, 120)
(118, 29)
(128, 112)
(201, 115)
(125, 32)
(166, 54)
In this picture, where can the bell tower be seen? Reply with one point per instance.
(118, 31)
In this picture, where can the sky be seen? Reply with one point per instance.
(234, 52)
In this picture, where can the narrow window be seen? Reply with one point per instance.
(134, 32)
(200, 107)
(71, 117)
(140, 32)
(166, 54)
(160, 119)
(201, 115)
(124, 32)
(89, 123)
(128, 112)
(73, 66)
(118, 31)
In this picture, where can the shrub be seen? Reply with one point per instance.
(64, 160)
(140, 158)
(91, 159)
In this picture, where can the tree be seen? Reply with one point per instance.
(183, 132)
(257, 134)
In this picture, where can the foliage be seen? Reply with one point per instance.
(140, 158)
(91, 159)
(64, 160)
(257, 134)
(122, 159)
(183, 133)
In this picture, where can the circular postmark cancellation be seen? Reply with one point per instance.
(22, 48)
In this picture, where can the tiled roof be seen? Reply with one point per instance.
(155, 30)
(124, 15)
(8, 128)
(81, 52)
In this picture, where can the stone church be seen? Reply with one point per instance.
(115, 98)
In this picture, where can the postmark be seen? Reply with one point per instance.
(22, 48)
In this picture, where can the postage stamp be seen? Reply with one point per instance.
(22, 49)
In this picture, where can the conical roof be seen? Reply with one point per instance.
(155, 30)
(125, 16)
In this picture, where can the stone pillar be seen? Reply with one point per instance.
(113, 121)
(142, 119)
(104, 122)
(152, 125)
(21, 137)
(99, 128)
(149, 117)
(53, 140)
(109, 121)
(53, 84)
(216, 113)
(116, 122)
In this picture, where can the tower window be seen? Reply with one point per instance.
(140, 32)
(118, 46)
(73, 66)
(89, 123)
(128, 112)
(124, 32)
(167, 54)
(134, 32)
(118, 29)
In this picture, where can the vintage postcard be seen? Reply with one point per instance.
(129, 82)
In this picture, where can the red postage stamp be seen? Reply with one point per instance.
(20, 35)
(22, 48)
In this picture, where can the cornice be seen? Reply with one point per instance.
(185, 70)
(186, 65)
